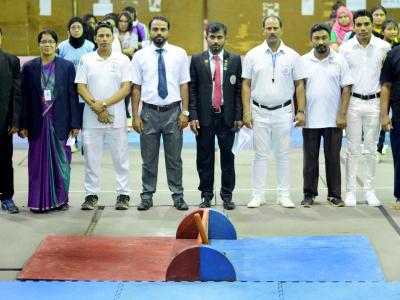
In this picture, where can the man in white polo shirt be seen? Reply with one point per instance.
(160, 75)
(104, 80)
(272, 73)
(365, 54)
(326, 106)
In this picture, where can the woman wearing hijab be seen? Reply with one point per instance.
(73, 49)
(49, 116)
(343, 25)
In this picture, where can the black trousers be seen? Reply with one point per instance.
(6, 167)
(311, 146)
(206, 158)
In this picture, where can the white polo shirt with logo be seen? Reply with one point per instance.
(324, 82)
(258, 66)
(104, 78)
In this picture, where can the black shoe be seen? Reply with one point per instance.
(180, 204)
(308, 200)
(90, 202)
(145, 204)
(229, 205)
(63, 207)
(336, 201)
(205, 203)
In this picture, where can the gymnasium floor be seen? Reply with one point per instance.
(21, 234)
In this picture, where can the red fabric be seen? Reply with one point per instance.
(217, 85)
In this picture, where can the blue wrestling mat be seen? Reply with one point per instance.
(79, 290)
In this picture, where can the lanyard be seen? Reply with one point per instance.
(46, 82)
(273, 65)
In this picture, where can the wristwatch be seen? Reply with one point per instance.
(104, 104)
(185, 113)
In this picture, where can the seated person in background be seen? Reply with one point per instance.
(343, 25)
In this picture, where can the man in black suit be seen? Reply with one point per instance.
(215, 109)
(10, 110)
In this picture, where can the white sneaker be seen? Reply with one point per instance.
(285, 201)
(371, 199)
(350, 199)
(74, 148)
(256, 202)
(378, 157)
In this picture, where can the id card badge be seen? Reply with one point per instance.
(47, 95)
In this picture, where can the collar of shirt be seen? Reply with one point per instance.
(220, 55)
(281, 48)
(374, 41)
(311, 55)
(98, 57)
(153, 47)
(134, 23)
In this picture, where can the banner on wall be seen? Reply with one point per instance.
(354, 5)
(390, 3)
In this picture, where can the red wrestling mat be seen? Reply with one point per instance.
(99, 258)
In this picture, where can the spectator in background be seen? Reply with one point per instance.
(378, 16)
(112, 19)
(73, 49)
(138, 28)
(90, 22)
(332, 20)
(50, 114)
(124, 34)
(343, 25)
(336, 6)
(389, 32)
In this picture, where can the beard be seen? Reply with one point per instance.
(159, 40)
(321, 49)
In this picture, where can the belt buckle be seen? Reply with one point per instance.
(364, 97)
(217, 111)
(271, 106)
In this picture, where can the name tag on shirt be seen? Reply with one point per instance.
(47, 95)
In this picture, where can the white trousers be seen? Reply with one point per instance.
(271, 126)
(92, 141)
(362, 115)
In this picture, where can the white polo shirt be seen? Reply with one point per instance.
(365, 63)
(145, 73)
(258, 66)
(323, 88)
(104, 78)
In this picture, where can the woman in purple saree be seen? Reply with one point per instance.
(49, 116)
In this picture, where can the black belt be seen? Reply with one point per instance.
(220, 110)
(272, 107)
(162, 107)
(366, 97)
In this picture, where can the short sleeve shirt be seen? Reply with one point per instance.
(324, 82)
(145, 73)
(391, 73)
(104, 78)
(258, 66)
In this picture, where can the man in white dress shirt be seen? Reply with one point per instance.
(160, 75)
(365, 54)
(272, 73)
(104, 80)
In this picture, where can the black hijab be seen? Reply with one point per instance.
(76, 42)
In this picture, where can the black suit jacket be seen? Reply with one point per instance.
(200, 88)
(66, 111)
(10, 92)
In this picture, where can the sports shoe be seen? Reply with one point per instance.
(256, 202)
(145, 204)
(122, 202)
(90, 202)
(378, 157)
(350, 199)
(336, 201)
(371, 199)
(285, 201)
(9, 206)
(74, 148)
(205, 203)
(229, 205)
(308, 200)
(180, 204)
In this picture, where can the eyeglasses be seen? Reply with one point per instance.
(102, 23)
(73, 28)
(47, 42)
